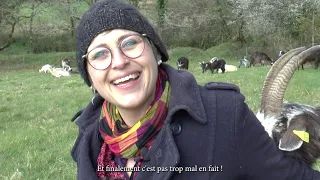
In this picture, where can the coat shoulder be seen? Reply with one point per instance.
(221, 86)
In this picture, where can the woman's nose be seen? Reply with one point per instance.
(119, 60)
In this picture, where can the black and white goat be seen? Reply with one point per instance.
(216, 64)
(297, 131)
(183, 63)
(294, 127)
(66, 64)
(204, 66)
(281, 53)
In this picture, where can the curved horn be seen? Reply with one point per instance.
(273, 105)
(273, 72)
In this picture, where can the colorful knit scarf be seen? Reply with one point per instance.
(124, 141)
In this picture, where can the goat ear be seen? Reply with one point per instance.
(290, 141)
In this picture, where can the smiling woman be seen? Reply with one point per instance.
(151, 121)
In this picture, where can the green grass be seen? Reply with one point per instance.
(36, 108)
(36, 132)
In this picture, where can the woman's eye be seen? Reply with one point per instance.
(129, 43)
(101, 55)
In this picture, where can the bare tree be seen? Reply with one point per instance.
(9, 13)
(70, 10)
(35, 7)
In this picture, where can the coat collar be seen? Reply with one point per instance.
(185, 94)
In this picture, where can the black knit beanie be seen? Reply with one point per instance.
(108, 15)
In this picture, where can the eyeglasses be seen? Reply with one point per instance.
(131, 46)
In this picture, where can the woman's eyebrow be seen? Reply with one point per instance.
(120, 38)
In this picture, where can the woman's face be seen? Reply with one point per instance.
(128, 82)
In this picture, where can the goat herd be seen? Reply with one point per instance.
(220, 66)
(65, 69)
(294, 127)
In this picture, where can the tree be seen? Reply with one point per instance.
(161, 10)
(9, 13)
(35, 9)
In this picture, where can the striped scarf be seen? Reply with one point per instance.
(124, 141)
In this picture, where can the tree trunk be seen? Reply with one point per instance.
(31, 29)
(161, 9)
(240, 36)
(10, 40)
(312, 28)
(72, 23)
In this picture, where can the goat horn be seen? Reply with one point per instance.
(275, 95)
(273, 72)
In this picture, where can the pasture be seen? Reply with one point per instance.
(35, 110)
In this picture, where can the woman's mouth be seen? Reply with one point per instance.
(126, 79)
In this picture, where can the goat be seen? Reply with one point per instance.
(217, 64)
(45, 68)
(66, 64)
(58, 72)
(294, 127)
(259, 57)
(204, 66)
(183, 63)
(244, 62)
(229, 68)
(281, 53)
(314, 57)
(213, 59)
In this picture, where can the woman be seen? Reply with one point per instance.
(150, 121)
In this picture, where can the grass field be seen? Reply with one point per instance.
(36, 108)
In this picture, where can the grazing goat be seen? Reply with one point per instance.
(204, 66)
(217, 64)
(259, 57)
(213, 64)
(183, 63)
(294, 127)
(45, 68)
(66, 64)
(244, 62)
(314, 57)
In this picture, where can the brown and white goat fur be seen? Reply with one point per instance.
(280, 120)
(298, 117)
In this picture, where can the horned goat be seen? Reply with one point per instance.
(294, 127)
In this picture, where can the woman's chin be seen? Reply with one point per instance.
(130, 101)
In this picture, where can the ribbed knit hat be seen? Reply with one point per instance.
(108, 15)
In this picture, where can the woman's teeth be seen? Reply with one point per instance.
(126, 78)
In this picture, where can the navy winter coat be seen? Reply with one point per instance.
(209, 132)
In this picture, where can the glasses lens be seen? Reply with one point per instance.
(99, 58)
(132, 46)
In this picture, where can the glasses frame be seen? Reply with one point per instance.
(143, 36)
